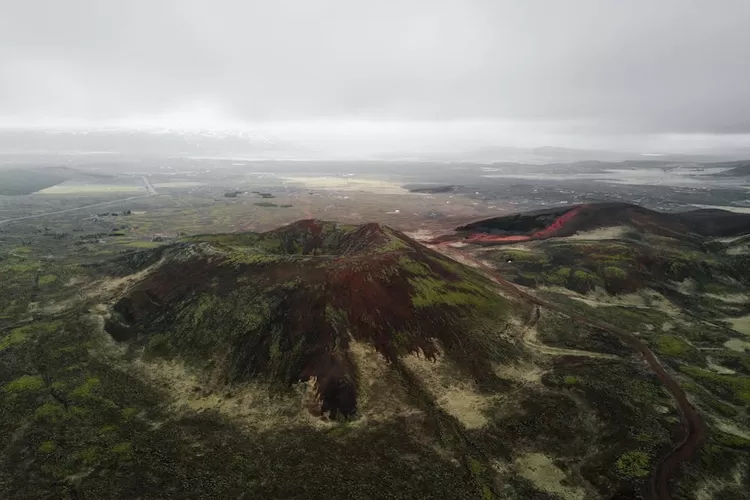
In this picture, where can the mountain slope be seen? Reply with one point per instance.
(285, 306)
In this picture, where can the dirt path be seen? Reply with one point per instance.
(694, 429)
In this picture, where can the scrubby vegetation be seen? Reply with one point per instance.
(93, 414)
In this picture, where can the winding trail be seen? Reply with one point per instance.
(530, 339)
(694, 429)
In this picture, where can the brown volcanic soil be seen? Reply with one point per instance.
(568, 220)
(283, 306)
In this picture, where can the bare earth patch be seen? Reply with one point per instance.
(381, 395)
(524, 373)
(732, 298)
(453, 392)
(741, 324)
(348, 184)
(251, 404)
(605, 233)
(737, 345)
(541, 470)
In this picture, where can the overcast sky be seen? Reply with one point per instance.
(575, 66)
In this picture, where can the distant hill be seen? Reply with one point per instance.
(285, 306)
(568, 220)
(737, 168)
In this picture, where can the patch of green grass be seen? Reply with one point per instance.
(634, 464)
(414, 267)
(25, 383)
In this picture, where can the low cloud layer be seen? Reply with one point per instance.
(585, 66)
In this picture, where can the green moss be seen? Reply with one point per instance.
(47, 447)
(22, 334)
(129, 413)
(672, 346)
(523, 256)
(51, 412)
(274, 350)
(432, 292)
(204, 303)
(571, 380)
(584, 276)
(124, 449)
(47, 279)
(79, 411)
(558, 276)
(633, 464)
(89, 455)
(611, 272)
(84, 390)
(15, 337)
(59, 385)
(158, 345)
(476, 467)
(335, 316)
(25, 383)
(23, 268)
(107, 430)
(735, 388)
